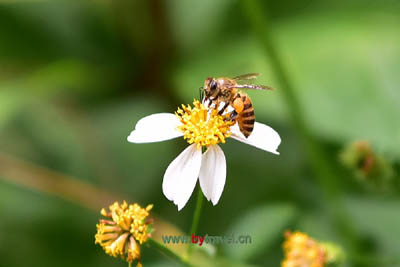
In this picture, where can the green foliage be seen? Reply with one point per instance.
(379, 219)
(264, 224)
(354, 93)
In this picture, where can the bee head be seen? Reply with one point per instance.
(210, 87)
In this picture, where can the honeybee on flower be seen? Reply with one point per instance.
(227, 90)
(201, 127)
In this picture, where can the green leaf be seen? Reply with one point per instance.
(201, 17)
(70, 28)
(68, 77)
(345, 71)
(378, 218)
(11, 101)
(264, 224)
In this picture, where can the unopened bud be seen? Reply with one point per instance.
(367, 165)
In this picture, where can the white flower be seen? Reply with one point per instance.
(201, 128)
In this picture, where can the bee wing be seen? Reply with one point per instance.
(249, 76)
(253, 87)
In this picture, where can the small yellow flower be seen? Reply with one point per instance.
(125, 227)
(302, 251)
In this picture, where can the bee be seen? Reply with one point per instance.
(227, 90)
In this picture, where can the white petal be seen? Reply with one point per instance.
(181, 176)
(262, 137)
(213, 173)
(155, 128)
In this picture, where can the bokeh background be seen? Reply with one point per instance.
(75, 77)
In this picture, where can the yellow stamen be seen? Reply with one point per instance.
(105, 237)
(133, 250)
(203, 126)
(117, 248)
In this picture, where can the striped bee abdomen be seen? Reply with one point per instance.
(246, 118)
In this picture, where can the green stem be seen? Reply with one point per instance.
(168, 252)
(196, 216)
(325, 173)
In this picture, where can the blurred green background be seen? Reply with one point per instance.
(75, 77)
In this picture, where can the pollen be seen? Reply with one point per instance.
(301, 250)
(125, 228)
(203, 126)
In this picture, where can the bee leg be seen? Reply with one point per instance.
(205, 99)
(233, 115)
(223, 109)
(216, 103)
(210, 102)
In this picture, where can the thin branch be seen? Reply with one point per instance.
(43, 180)
(54, 183)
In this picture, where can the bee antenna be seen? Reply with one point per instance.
(201, 93)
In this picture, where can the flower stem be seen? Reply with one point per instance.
(325, 173)
(196, 216)
(168, 252)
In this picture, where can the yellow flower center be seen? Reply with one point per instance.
(203, 126)
(126, 225)
(301, 250)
